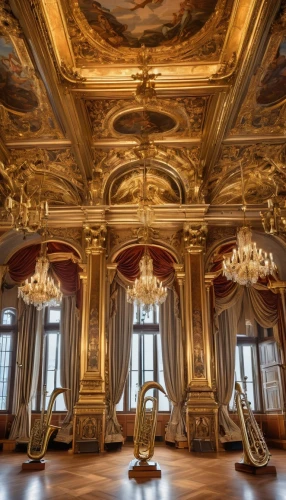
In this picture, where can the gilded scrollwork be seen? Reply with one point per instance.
(263, 170)
(95, 237)
(195, 234)
(159, 188)
(9, 25)
(31, 167)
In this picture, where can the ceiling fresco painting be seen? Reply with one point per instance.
(25, 111)
(131, 23)
(273, 84)
(17, 92)
(263, 110)
(150, 122)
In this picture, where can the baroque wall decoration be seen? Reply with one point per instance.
(264, 174)
(177, 161)
(159, 188)
(31, 167)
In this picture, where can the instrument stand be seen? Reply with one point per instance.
(251, 469)
(139, 468)
(34, 465)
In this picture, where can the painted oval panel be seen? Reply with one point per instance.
(150, 122)
(131, 23)
(273, 84)
(16, 87)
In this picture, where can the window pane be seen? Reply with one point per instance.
(52, 341)
(134, 352)
(250, 394)
(148, 376)
(119, 406)
(54, 315)
(247, 362)
(5, 368)
(148, 352)
(8, 317)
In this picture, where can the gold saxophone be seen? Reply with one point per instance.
(145, 423)
(255, 451)
(42, 429)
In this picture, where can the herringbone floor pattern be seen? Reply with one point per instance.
(194, 476)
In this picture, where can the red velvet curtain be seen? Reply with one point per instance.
(22, 266)
(128, 262)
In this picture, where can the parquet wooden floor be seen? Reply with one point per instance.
(185, 476)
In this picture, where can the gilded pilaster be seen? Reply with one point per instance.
(90, 408)
(202, 423)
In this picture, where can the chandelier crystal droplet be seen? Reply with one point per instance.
(42, 290)
(147, 290)
(247, 264)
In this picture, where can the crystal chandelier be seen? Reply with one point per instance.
(26, 215)
(247, 263)
(147, 290)
(41, 291)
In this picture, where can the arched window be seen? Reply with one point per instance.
(7, 355)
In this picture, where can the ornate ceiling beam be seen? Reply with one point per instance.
(250, 53)
(34, 28)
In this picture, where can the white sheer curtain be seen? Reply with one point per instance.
(173, 364)
(120, 335)
(30, 337)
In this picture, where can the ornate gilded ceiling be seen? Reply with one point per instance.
(72, 126)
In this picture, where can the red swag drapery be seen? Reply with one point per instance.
(128, 262)
(22, 265)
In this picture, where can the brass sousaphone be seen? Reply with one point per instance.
(255, 451)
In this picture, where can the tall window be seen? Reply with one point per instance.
(7, 351)
(146, 360)
(50, 375)
(246, 372)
